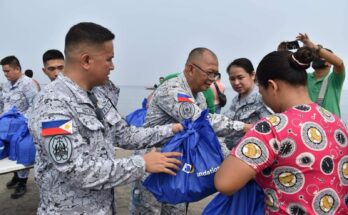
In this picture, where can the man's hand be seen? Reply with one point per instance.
(156, 162)
(305, 40)
(177, 127)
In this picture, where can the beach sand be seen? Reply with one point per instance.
(27, 204)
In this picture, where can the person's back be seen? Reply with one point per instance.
(298, 156)
(311, 161)
(29, 73)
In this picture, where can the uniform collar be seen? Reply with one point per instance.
(79, 93)
(249, 99)
(17, 83)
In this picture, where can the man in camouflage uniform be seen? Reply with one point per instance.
(76, 126)
(19, 91)
(178, 99)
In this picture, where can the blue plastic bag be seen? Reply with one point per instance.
(201, 158)
(7, 129)
(25, 148)
(15, 140)
(248, 200)
(137, 117)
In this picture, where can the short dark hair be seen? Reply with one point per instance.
(52, 54)
(29, 73)
(198, 52)
(244, 63)
(286, 66)
(86, 32)
(11, 61)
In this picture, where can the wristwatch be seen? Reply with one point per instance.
(317, 50)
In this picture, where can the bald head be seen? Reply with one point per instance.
(197, 54)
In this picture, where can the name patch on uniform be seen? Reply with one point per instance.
(181, 97)
(60, 148)
(56, 127)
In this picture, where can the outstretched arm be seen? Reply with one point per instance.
(323, 53)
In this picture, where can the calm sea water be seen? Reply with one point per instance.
(131, 98)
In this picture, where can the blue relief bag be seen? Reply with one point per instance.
(137, 117)
(15, 138)
(248, 200)
(25, 148)
(201, 158)
(6, 131)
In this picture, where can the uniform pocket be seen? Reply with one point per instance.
(88, 118)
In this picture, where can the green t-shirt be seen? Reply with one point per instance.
(209, 97)
(208, 94)
(332, 96)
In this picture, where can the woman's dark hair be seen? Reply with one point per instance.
(285, 66)
(245, 63)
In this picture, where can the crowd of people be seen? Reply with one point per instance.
(282, 131)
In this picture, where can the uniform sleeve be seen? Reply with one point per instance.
(181, 110)
(224, 126)
(86, 159)
(1, 101)
(30, 91)
(255, 148)
(131, 137)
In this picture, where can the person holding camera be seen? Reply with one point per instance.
(325, 87)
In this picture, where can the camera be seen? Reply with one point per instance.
(289, 45)
(292, 45)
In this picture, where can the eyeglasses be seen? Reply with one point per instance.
(211, 75)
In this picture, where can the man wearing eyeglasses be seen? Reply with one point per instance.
(53, 62)
(175, 100)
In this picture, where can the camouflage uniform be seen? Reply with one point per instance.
(76, 172)
(249, 109)
(1, 100)
(165, 108)
(20, 94)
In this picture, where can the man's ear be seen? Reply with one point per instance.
(85, 60)
(189, 69)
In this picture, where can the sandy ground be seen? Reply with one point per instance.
(27, 204)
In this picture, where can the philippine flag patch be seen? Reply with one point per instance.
(56, 127)
(184, 98)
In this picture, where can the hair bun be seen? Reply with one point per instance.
(302, 58)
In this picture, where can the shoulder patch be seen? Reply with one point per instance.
(181, 97)
(60, 148)
(186, 110)
(55, 127)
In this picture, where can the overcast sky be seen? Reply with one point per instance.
(154, 37)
